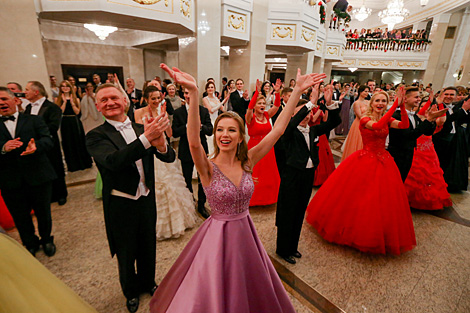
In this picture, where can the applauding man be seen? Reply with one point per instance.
(26, 174)
(123, 152)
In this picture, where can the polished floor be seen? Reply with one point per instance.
(434, 277)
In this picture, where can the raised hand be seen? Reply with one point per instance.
(307, 80)
(182, 78)
(314, 94)
(434, 113)
(315, 116)
(431, 96)
(245, 94)
(258, 85)
(277, 86)
(401, 95)
(12, 144)
(328, 94)
(440, 98)
(30, 149)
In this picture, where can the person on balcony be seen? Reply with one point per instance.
(341, 9)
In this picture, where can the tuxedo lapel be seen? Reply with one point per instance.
(19, 124)
(43, 108)
(114, 135)
(28, 109)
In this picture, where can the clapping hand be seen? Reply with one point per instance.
(314, 94)
(30, 149)
(182, 78)
(401, 95)
(258, 87)
(12, 144)
(245, 95)
(307, 80)
(328, 94)
(440, 98)
(154, 128)
(434, 113)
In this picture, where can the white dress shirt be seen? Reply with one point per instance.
(306, 132)
(11, 125)
(411, 117)
(129, 135)
(36, 106)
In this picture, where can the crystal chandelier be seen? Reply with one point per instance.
(101, 31)
(394, 13)
(362, 13)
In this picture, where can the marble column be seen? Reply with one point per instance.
(437, 35)
(248, 62)
(136, 66)
(318, 65)
(304, 62)
(462, 40)
(22, 52)
(327, 70)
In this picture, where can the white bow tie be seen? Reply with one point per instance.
(304, 130)
(127, 124)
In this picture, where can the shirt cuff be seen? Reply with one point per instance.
(163, 152)
(309, 105)
(334, 105)
(465, 111)
(145, 141)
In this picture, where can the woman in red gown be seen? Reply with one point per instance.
(6, 221)
(325, 156)
(265, 174)
(425, 184)
(372, 214)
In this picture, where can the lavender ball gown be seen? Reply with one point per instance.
(224, 268)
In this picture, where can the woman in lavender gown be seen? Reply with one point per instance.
(224, 268)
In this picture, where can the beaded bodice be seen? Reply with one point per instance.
(224, 197)
(374, 141)
(424, 143)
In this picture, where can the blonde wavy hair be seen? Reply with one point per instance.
(370, 110)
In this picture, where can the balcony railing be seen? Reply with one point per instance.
(365, 44)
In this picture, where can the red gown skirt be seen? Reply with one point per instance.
(327, 163)
(265, 174)
(425, 184)
(364, 205)
(6, 221)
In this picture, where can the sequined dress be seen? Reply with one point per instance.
(372, 213)
(425, 184)
(224, 267)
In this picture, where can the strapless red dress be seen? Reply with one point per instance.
(6, 221)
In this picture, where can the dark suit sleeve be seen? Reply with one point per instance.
(167, 157)
(424, 128)
(108, 155)
(295, 121)
(179, 124)
(333, 120)
(54, 117)
(207, 127)
(169, 107)
(42, 136)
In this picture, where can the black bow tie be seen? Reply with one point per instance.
(7, 118)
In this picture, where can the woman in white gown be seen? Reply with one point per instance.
(90, 118)
(212, 103)
(175, 204)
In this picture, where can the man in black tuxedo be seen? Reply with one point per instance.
(240, 99)
(52, 115)
(402, 142)
(180, 119)
(371, 85)
(134, 95)
(279, 151)
(124, 154)
(451, 143)
(300, 143)
(25, 173)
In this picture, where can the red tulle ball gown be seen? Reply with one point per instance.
(265, 174)
(6, 221)
(364, 204)
(224, 268)
(326, 164)
(425, 184)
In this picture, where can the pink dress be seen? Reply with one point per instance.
(224, 268)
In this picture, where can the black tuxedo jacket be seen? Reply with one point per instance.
(297, 152)
(52, 115)
(34, 169)
(459, 117)
(116, 159)
(239, 104)
(180, 119)
(403, 141)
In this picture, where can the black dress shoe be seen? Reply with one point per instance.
(49, 247)
(132, 304)
(202, 210)
(289, 259)
(33, 250)
(297, 255)
(62, 201)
